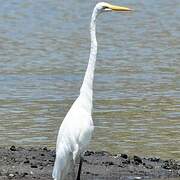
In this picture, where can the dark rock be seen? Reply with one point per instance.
(122, 166)
(13, 148)
(34, 166)
(110, 163)
(165, 166)
(138, 159)
(51, 160)
(125, 156)
(33, 157)
(170, 164)
(45, 149)
(88, 153)
(126, 161)
(24, 174)
(26, 161)
(154, 159)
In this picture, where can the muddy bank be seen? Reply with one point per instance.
(37, 163)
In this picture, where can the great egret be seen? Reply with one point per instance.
(77, 127)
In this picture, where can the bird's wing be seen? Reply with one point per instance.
(85, 132)
(77, 126)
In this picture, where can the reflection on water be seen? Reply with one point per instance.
(44, 53)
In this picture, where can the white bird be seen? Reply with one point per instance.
(77, 127)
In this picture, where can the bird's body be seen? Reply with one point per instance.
(73, 137)
(77, 127)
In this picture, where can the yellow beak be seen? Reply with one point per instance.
(118, 8)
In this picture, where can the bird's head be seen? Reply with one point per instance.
(106, 7)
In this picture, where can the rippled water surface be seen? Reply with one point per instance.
(44, 49)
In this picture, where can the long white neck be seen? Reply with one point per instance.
(87, 85)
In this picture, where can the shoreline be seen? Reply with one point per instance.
(37, 163)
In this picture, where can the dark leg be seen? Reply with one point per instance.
(79, 170)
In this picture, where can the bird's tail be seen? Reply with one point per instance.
(62, 164)
(57, 170)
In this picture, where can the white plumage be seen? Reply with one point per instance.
(74, 135)
(77, 127)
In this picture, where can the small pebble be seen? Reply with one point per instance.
(108, 163)
(11, 175)
(148, 166)
(137, 178)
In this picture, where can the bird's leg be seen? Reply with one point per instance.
(73, 174)
(79, 169)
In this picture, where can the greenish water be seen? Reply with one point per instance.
(44, 49)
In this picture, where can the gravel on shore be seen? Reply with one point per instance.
(36, 163)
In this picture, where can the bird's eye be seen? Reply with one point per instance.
(104, 7)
